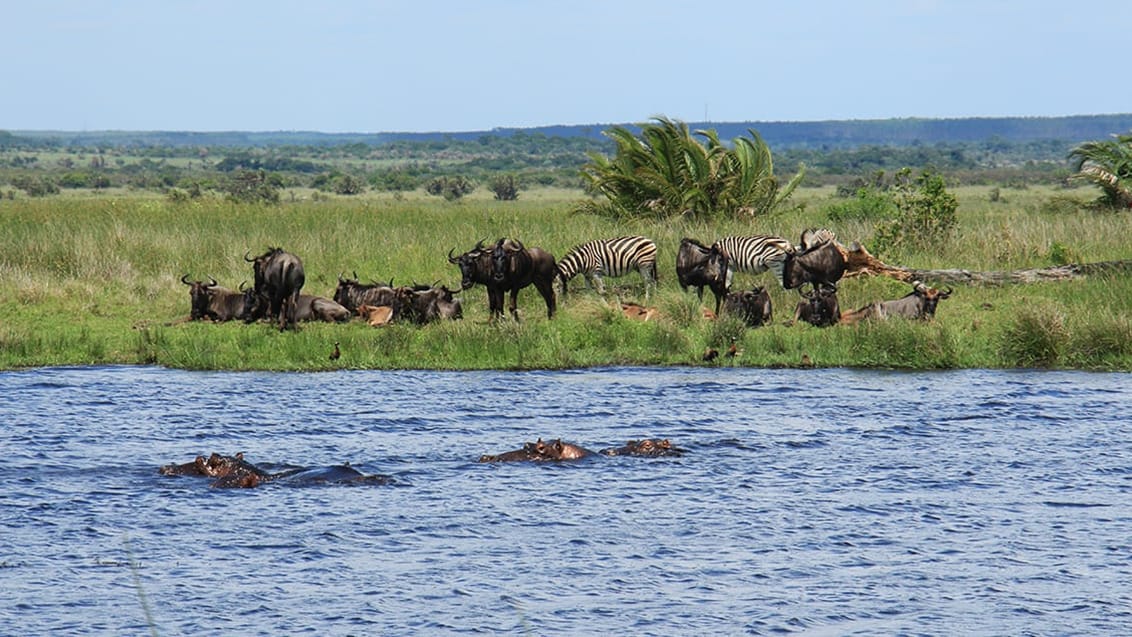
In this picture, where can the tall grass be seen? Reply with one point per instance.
(96, 280)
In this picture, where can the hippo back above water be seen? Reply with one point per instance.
(540, 451)
(649, 447)
(235, 472)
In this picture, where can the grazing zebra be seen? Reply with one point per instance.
(612, 257)
(755, 254)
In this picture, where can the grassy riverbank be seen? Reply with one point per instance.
(94, 279)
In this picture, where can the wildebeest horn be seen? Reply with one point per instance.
(947, 293)
(246, 257)
(340, 279)
(479, 244)
(242, 284)
(211, 282)
(184, 280)
(451, 259)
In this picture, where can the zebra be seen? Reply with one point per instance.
(612, 257)
(755, 254)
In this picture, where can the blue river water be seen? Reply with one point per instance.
(818, 502)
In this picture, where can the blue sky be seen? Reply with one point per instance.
(425, 65)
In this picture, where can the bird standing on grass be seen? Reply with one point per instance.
(732, 351)
(710, 354)
(336, 353)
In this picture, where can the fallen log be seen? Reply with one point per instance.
(860, 263)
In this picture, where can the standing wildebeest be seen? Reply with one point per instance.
(514, 267)
(819, 262)
(611, 257)
(475, 267)
(753, 306)
(920, 303)
(819, 307)
(350, 294)
(698, 265)
(207, 301)
(279, 277)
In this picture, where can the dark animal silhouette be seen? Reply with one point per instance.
(279, 277)
(698, 266)
(753, 306)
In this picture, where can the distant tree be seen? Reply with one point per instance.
(1108, 166)
(252, 186)
(36, 186)
(666, 172)
(450, 187)
(505, 187)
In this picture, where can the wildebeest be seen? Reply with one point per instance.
(820, 262)
(279, 277)
(920, 303)
(351, 295)
(424, 304)
(753, 306)
(208, 301)
(698, 265)
(475, 267)
(514, 267)
(308, 308)
(819, 307)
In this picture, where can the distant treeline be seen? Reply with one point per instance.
(779, 135)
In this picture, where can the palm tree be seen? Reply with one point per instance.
(666, 172)
(1108, 166)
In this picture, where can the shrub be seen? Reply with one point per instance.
(450, 187)
(505, 187)
(1036, 338)
(925, 217)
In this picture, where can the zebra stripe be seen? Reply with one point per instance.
(814, 237)
(612, 257)
(755, 254)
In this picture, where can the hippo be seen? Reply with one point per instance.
(235, 472)
(540, 451)
(650, 447)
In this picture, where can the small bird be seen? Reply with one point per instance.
(807, 361)
(336, 353)
(732, 351)
(710, 354)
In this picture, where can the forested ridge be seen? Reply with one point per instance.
(1009, 151)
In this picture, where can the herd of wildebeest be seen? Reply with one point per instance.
(818, 261)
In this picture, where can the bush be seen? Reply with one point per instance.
(253, 186)
(925, 216)
(505, 187)
(451, 188)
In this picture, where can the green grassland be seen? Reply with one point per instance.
(93, 278)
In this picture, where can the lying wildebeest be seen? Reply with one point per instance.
(309, 308)
(514, 267)
(920, 303)
(350, 294)
(753, 306)
(819, 262)
(208, 301)
(279, 277)
(698, 265)
(819, 307)
(376, 315)
(425, 304)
